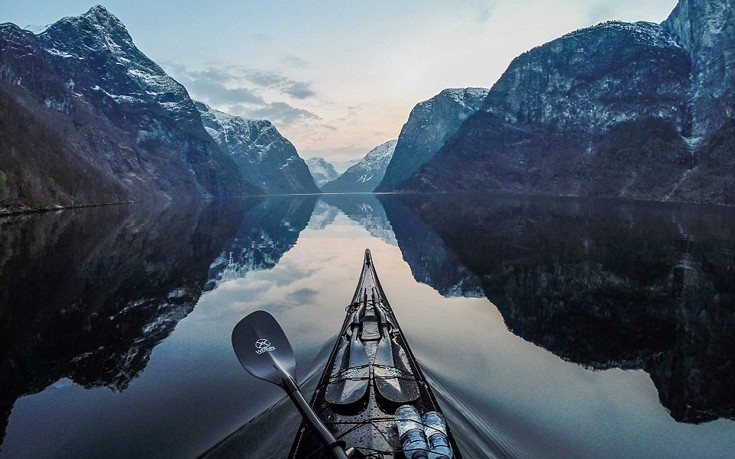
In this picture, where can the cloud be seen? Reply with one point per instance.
(216, 93)
(296, 89)
(255, 94)
(215, 86)
(238, 85)
(295, 61)
(282, 113)
(483, 10)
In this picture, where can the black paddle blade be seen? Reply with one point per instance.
(393, 383)
(351, 384)
(263, 349)
(394, 386)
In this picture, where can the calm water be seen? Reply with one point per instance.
(548, 327)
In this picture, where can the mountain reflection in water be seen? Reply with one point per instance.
(86, 295)
(603, 284)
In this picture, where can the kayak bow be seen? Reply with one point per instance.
(370, 373)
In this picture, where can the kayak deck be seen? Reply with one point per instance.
(370, 373)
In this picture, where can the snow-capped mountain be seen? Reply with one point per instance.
(322, 170)
(119, 73)
(265, 157)
(93, 120)
(429, 125)
(367, 173)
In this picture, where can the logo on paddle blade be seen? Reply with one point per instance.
(263, 345)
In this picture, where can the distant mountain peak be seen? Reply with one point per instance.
(322, 170)
(366, 174)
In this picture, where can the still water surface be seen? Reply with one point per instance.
(548, 327)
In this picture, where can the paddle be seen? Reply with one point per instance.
(263, 350)
(392, 383)
(351, 384)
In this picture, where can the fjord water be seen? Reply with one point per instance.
(547, 327)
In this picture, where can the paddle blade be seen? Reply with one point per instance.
(351, 384)
(263, 349)
(393, 387)
(394, 384)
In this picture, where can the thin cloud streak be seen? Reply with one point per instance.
(297, 89)
(283, 113)
(234, 85)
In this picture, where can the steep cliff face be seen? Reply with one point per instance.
(366, 175)
(264, 156)
(429, 126)
(115, 117)
(598, 112)
(706, 30)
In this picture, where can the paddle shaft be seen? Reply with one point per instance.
(338, 448)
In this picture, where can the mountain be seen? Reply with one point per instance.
(617, 110)
(706, 30)
(321, 170)
(429, 125)
(264, 156)
(87, 118)
(366, 174)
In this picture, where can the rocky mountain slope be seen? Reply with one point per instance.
(321, 170)
(264, 156)
(366, 174)
(87, 118)
(641, 111)
(429, 125)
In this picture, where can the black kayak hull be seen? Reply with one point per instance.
(367, 379)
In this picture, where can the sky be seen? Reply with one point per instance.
(337, 78)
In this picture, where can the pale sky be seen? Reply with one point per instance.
(337, 78)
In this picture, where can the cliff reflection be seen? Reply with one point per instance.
(87, 294)
(602, 284)
(267, 231)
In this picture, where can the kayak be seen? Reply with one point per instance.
(370, 373)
